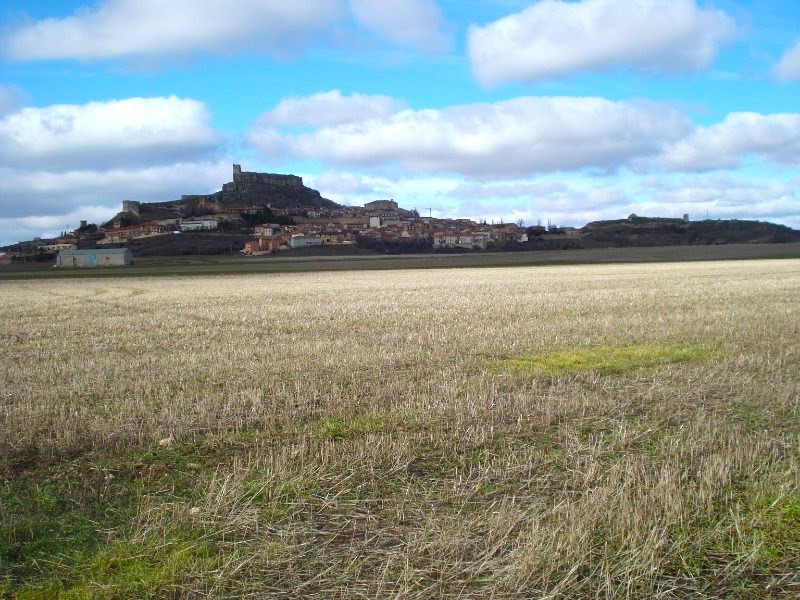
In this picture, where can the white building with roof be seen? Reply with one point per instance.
(301, 240)
(95, 257)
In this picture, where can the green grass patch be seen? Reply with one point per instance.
(780, 528)
(604, 359)
(770, 530)
(58, 513)
(761, 532)
(349, 427)
(65, 525)
(150, 566)
(44, 520)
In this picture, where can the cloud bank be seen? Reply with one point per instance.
(774, 138)
(63, 160)
(152, 29)
(40, 201)
(554, 38)
(510, 138)
(519, 137)
(49, 192)
(331, 108)
(134, 131)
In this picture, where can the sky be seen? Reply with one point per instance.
(560, 111)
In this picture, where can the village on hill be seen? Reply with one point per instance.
(264, 213)
(259, 214)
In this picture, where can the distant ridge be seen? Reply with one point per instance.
(651, 231)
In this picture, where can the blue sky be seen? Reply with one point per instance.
(567, 111)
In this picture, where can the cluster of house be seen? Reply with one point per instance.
(120, 234)
(380, 222)
(335, 231)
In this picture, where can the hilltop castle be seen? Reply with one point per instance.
(244, 181)
(248, 190)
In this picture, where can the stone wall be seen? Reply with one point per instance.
(131, 206)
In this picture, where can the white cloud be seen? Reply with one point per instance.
(331, 108)
(356, 188)
(19, 229)
(146, 30)
(603, 197)
(775, 138)
(576, 210)
(340, 184)
(553, 38)
(576, 199)
(40, 191)
(152, 28)
(574, 204)
(414, 23)
(98, 135)
(729, 189)
(725, 196)
(515, 137)
(511, 189)
(40, 201)
(60, 161)
(788, 68)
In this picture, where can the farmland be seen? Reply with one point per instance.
(626, 430)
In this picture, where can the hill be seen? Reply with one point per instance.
(248, 189)
(645, 231)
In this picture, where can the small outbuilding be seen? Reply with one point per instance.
(95, 257)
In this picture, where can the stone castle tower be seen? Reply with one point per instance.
(248, 180)
(131, 207)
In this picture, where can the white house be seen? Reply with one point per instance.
(199, 224)
(301, 240)
(463, 239)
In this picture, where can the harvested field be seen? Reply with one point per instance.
(616, 431)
